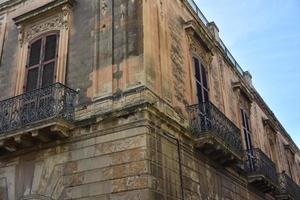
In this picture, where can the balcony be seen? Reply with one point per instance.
(37, 116)
(288, 189)
(215, 135)
(261, 171)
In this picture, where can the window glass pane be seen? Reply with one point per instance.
(247, 122)
(50, 48)
(199, 93)
(204, 77)
(243, 118)
(205, 96)
(197, 69)
(250, 140)
(35, 53)
(48, 74)
(32, 79)
(247, 132)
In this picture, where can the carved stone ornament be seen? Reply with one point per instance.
(200, 42)
(241, 89)
(196, 48)
(58, 21)
(54, 23)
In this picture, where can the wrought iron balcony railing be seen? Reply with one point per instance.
(54, 101)
(287, 187)
(206, 118)
(259, 164)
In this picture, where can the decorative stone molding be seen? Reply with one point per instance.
(54, 16)
(241, 89)
(35, 197)
(54, 23)
(271, 124)
(290, 148)
(199, 41)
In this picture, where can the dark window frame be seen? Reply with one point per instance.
(246, 127)
(42, 62)
(201, 80)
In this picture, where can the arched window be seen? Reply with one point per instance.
(41, 62)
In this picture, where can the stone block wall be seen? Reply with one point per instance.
(199, 178)
(101, 166)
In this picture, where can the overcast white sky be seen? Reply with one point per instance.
(264, 37)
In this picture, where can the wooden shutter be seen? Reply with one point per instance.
(32, 79)
(33, 65)
(246, 129)
(204, 84)
(201, 82)
(48, 74)
(50, 47)
(50, 52)
(35, 53)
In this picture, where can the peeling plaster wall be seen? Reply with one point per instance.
(118, 46)
(105, 52)
(80, 62)
(200, 180)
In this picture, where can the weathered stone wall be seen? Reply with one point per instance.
(102, 164)
(105, 51)
(116, 46)
(166, 50)
(168, 54)
(199, 179)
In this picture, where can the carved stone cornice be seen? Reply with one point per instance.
(54, 23)
(291, 148)
(271, 124)
(57, 4)
(37, 21)
(199, 41)
(242, 90)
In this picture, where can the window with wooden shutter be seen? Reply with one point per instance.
(248, 139)
(40, 69)
(202, 93)
(201, 83)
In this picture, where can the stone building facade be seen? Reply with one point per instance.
(131, 100)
